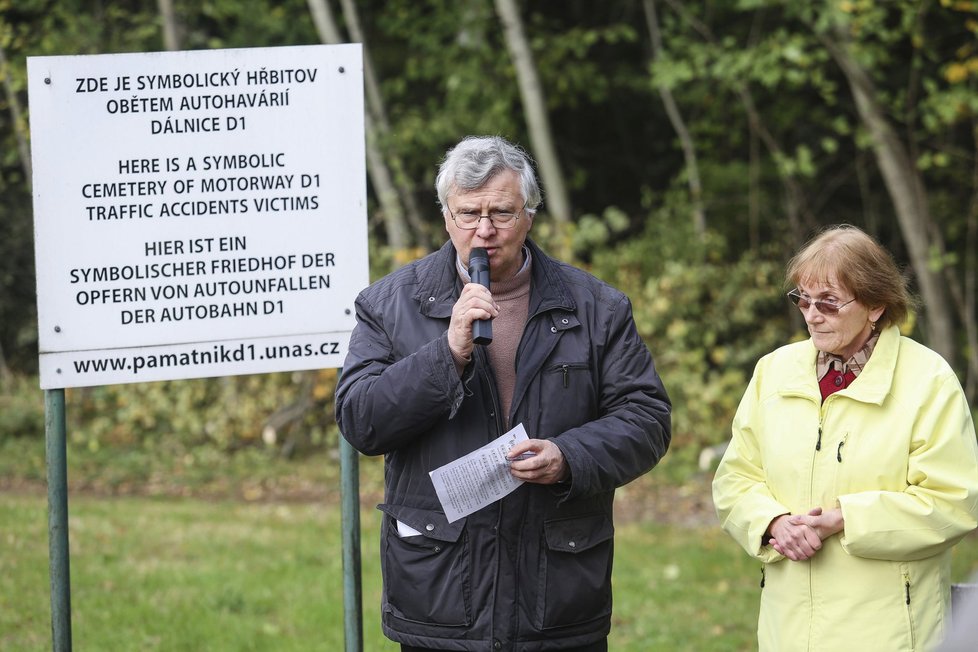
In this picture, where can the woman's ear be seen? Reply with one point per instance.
(876, 313)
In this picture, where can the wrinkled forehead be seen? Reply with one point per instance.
(502, 186)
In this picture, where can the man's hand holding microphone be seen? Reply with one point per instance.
(470, 324)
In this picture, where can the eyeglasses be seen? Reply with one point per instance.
(469, 220)
(824, 307)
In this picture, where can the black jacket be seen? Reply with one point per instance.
(532, 571)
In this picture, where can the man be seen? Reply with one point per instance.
(533, 570)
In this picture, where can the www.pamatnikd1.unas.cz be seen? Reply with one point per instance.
(218, 354)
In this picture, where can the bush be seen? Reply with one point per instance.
(707, 316)
(21, 408)
(289, 412)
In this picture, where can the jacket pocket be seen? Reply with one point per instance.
(568, 372)
(575, 574)
(426, 576)
(568, 390)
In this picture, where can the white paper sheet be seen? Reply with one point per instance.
(475, 480)
(405, 530)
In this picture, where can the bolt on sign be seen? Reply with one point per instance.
(197, 213)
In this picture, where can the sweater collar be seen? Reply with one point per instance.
(439, 284)
(521, 279)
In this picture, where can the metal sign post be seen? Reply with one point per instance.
(352, 590)
(57, 463)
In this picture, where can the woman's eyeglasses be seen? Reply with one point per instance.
(824, 307)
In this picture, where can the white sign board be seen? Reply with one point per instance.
(197, 213)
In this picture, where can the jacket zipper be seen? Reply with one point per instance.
(906, 593)
(814, 462)
(763, 576)
(491, 386)
(838, 451)
(565, 369)
(811, 495)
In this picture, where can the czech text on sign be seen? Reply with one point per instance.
(197, 213)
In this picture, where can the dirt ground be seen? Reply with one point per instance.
(646, 499)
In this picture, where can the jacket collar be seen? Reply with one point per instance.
(871, 386)
(547, 289)
(439, 284)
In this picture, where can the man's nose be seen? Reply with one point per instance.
(485, 227)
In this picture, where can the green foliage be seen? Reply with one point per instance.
(244, 23)
(21, 408)
(709, 325)
(591, 232)
(706, 320)
(430, 104)
(221, 414)
(573, 51)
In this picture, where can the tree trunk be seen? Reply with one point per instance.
(907, 192)
(16, 117)
(171, 30)
(24, 153)
(5, 375)
(970, 292)
(380, 177)
(531, 94)
(754, 190)
(375, 104)
(676, 119)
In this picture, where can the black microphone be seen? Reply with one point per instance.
(479, 273)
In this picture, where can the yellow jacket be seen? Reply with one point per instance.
(897, 451)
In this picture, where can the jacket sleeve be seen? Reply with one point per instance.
(633, 430)
(940, 503)
(744, 503)
(382, 402)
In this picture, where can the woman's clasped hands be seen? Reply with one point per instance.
(799, 536)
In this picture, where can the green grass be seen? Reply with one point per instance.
(171, 574)
(201, 471)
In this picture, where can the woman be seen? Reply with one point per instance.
(853, 467)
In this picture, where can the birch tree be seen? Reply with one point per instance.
(395, 223)
(534, 104)
(906, 190)
(17, 118)
(24, 153)
(171, 27)
(377, 107)
(678, 124)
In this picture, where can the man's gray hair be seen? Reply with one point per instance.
(477, 159)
